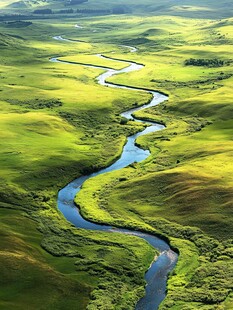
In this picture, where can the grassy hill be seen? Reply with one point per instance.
(40, 109)
(56, 123)
(188, 8)
(187, 180)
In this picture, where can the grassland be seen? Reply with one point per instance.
(187, 180)
(191, 8)
(46, 113)
(57, 123)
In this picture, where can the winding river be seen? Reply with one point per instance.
(156, 276)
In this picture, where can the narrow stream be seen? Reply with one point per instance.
(156, 276)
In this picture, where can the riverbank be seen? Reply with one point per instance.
(157, 274)
(48, 139)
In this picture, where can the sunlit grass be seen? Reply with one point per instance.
(185, 185)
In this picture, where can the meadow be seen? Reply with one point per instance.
(187, 178)
(191, 8)
(57, 123)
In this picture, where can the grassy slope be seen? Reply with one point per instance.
(198, 95)
(188, 8)
(52, 130)
(187, 179)
(33, 171)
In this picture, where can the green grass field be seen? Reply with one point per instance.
(56, 123)
(190, 8)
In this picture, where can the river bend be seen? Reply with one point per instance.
(156, 276)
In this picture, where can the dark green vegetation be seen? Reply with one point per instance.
(206, 62)
(56, 124)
